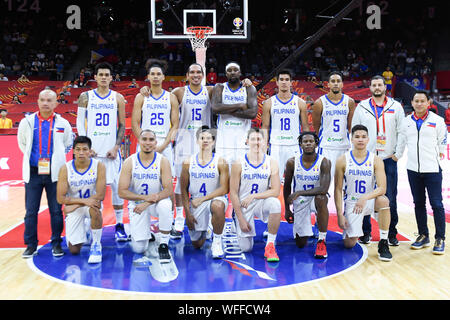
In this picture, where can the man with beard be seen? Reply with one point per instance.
(235, 106)
(146, 182)
(311, 175)
(332, 117)
(382, 116)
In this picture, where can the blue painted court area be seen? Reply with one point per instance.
(194, 271)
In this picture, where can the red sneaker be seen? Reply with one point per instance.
(321, 250)
(270, 253)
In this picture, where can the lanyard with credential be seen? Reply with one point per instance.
(44, 163)
(381, 136)
(375, 109)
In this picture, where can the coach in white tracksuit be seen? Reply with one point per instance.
(382, 116)
(425, 135)
(43, 137)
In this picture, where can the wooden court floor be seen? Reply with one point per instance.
(412, 275)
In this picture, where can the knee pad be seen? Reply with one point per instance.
(138, 246)
(273, 205)
(246, 244)
(164, 209)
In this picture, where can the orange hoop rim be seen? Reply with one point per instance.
(200, 31)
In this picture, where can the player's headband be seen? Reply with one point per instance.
(232, 64)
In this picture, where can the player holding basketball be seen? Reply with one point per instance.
(146, 181)
(81, 189)
(360, 182)
(254, 191)
(332, 118)
(235, 106)
(282, 117)
(104, 110)
(204, 185)
(311, 175)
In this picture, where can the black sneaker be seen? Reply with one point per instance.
(164, 254)
(29, 252)
(393, 241)
(365, 239)
(174, 234)
(383, 250)
(57, 250)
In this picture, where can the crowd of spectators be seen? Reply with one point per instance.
(36, 45)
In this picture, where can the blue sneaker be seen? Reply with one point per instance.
(422, 241)
(95, 255)
(120, 233)
(439, 246)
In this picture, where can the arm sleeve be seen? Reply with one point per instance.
(81, 119)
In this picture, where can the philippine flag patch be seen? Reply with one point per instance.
(60, 130)
(432, 124)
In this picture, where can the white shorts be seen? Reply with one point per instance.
(332, 155)
(303, 206)
(230, 155)
(185, 147)
(260, 208)
(355, 221)
(202, 214)
(112, 167)
(75, 226)
(140, 223)
(281, 154)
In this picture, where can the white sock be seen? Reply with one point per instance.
(384, 234)
(217, 237)
(179, 213)
(96, 236)
(119, 215)
(322, 235)
(271, 238)
(164, 238)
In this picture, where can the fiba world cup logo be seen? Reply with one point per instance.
(237, 22)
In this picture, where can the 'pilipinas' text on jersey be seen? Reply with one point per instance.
(359, 178)
(102, 121)
(203, 179)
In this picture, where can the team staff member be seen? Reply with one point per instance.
(43, 138)
(425, 135)
(383, 117)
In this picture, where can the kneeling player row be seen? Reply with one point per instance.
(253, 184)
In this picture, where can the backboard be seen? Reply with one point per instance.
(169, 19)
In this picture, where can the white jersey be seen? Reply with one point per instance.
(333, 133)
(145, 180)
(359, 177)
(232, 131)
(203, 179)
(306, 179)
(254, 179)
(82, 184)
(195, 112)
(284, 121)
(102, 121)
(156, 114)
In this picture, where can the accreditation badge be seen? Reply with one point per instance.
(381, 142)
(44, 166)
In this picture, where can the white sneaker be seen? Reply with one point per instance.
(217, 250)
(95, 255)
